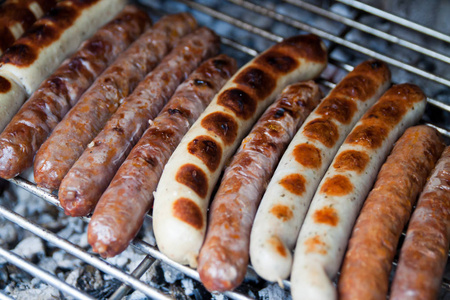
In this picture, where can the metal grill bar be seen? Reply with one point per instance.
(396, 19)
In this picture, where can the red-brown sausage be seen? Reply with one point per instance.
(121, 210)
(101, 100)
(367, 264)
(92, 172)
(57, 94)
(224, 257)
(425, 249)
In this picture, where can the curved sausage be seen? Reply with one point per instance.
(182, 196)
(302, 167)
(223, 258)
(49, 40)
(367, 264)
(92, 172)
(57, 94)
(101, 100)
(121, 210)
(17, 16)
(327, 226)
(425, 250)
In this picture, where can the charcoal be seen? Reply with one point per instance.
(177, 292)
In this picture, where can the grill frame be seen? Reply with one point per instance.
(335, 40)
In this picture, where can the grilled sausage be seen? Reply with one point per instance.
(120, 211)
(92, 172)
(17, 16)
(57, 94)
(367, 264)
(327, 226)
(223, 259)
(50, 39)
(101, 100)
(286, 200)
(424, 252)
(186, 184)
(12, 96)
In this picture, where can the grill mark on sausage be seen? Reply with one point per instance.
(6, 38)
(239, 102)
(282, 212)
(369, 135)
(261, 82)
(337, 185)
(193, 177)
(221, 124)
(278, 245)
(5, 85)
(207, 150)
(315, 244)
(322, 130)
(327, 215)
(308, 156)
(309, 47)
(340, 109)
(351, 160)
(277, 62)
(294, 183)
(188, 211)
(357, 87)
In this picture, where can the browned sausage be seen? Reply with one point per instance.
(425, 250)
(121, 210)
(367, 264)
(224, 257)
(101, 100)
(57, 94)
(90, 175)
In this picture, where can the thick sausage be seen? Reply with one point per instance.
(327, 226)
(101, 100)
(367, 264)
(92, 172)
(57, 94)
(191, 173)
(12, 96)
(424, 252)
(302, 167)
(17, 16)
(49, 40)
(223, 258)
(120, 211)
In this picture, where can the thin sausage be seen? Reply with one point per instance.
(367, 264)
(183, 192)
(224, 256)
(327, 226)
(101, 100)
(303, 165)
(425, 250)
(57, 94)
(92, 172)
(120, 211)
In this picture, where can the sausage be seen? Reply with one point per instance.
(304, 163)
(183, 192)
(327, 226)
(49, 40)
(224, 256)
(367, 264)
(12, 96)
(92, 172)
(424, 252)
(101, 100)
(121, 210)
(17, 16)
(58, 93)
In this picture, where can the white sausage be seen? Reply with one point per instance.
(12, 96)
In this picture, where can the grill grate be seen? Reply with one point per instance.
(336, 42)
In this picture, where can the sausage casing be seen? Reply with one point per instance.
(120, 211)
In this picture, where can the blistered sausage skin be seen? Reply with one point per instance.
(92, 172)
(368, 260)
(224, 256)
(303, 165)
(17, 16)
(189, 177)
(57, 94)
(327, 226)
(425, 250)
(49, 40)
(101, 100)
(121, 210)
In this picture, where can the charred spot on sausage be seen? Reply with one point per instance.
(207, 150)
(260, 82)
(193, 177)
(221, 124)
(188, 211)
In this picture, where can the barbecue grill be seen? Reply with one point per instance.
(353, 31)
